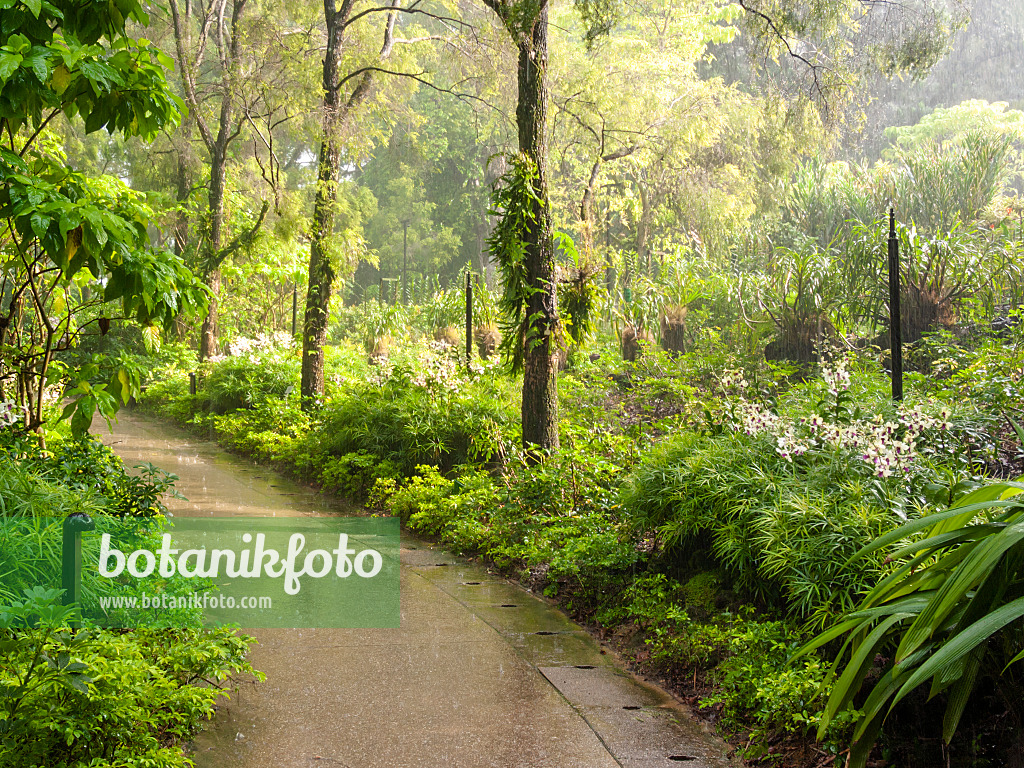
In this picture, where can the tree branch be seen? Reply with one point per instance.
(241, 241)
(410, 10)
(775, 31)
(187, 73)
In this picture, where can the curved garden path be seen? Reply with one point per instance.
(481, 673)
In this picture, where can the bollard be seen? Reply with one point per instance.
(895, 327)
(192, 383)
(71, 556)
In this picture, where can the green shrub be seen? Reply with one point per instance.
(85, 464)
(242, 382)
(411, 421)
(749, 661)
(354, 474)
(100, 698)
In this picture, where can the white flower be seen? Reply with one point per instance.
(11, 413)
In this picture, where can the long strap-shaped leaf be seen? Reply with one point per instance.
(860, 662)
(973, 571)
(884, 689)
(971, 533)
(963, 643)
(951, 518)
(960, 693)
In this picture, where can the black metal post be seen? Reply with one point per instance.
(405, 262)
(71, 556)
(295, 309)
(895, 326)
(469, 317)
(192, 383)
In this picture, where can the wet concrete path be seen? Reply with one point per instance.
(481, 673)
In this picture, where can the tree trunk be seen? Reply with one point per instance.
(321, 271)
(184, 189)
(216, 145)
(643, 227)
(210, 330)
(540, 373)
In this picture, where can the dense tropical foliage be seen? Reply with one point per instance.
(667, 405)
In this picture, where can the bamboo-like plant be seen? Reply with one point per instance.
(935, 616)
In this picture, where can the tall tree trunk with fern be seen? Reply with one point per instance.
(526, 21)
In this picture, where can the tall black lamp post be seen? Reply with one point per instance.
(895, 326)
(405, 261)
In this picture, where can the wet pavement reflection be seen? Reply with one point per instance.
(481, 673)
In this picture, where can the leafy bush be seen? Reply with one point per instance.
(749, 660)
(86, 464)
(782, 534)
(557, 523)
(427, 416)
(90, 697)
(242, 382)
(100, 698)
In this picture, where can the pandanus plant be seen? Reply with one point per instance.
(444, 313)
(683, 281)
(938, 273)
(935, 182)
(379, 320)
(949, 612)
(638, 316)
(485, 319)
(799, 298)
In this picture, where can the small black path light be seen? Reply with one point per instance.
(71, 556)
(469, 318)
(895, 327)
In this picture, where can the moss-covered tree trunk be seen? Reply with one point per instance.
(321, 271)
(215, 237)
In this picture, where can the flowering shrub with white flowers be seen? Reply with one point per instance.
(435, 369)
(11, 413)
(264, 342)
(888, 445)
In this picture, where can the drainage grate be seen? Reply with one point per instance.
(471, 583)
(584, 666)
(546, 632)
(681, 758)
(508, 605)
(632, 706)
